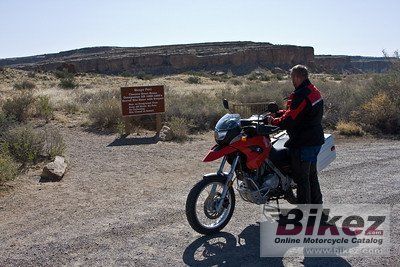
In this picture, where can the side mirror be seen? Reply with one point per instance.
(226, 104)
(272, 107)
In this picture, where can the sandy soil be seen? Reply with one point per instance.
(121, 203)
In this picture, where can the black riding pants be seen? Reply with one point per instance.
(306, 177)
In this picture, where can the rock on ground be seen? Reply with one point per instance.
(55, 170)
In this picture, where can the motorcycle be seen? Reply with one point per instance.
(258, 163)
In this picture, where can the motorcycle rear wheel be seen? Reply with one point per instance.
(201, 203)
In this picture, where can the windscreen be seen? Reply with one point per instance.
(227, 122)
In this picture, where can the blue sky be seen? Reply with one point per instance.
(351, 27)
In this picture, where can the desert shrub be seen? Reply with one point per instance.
(126, 74)
(84, 97)
(193, 80)
(8, 168)
(19, 107)
(54, 144)
(6, 123)
(104, 110)
(252, 77)
(120, 127)
(349, 129)
(256, 76)
(272, 91)
(68, 83)
(144, 76)
(340, 99)
(63, 74)
(389, 84)
(201, 108)
(220, 79)
(70, 107)
(381, 113)
(180, 128)
(235, 82)
(32, 74)
(280, 77)
(104, 95)
(229, 93)
(44, 108)
(264, 78)
(25, 143)
(337, 77)
(24, 85)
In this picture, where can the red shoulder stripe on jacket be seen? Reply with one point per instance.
(315, 95)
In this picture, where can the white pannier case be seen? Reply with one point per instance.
(325, 156)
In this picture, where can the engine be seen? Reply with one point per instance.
(257, 192)
(271, 181)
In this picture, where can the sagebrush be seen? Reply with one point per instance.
(25, 143)
(44, 108)
(20, 107)
(105, 110)
(180, 128)
(8, 168)
(24, 85)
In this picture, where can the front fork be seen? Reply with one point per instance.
(229, 180)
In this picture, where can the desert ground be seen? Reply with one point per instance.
(121, 203)
(122, 200)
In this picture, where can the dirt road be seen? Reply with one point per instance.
(122, 204)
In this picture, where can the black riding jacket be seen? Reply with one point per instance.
(303, 116)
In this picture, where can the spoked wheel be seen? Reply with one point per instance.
(206, 211)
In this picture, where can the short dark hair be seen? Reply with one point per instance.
(299, 70)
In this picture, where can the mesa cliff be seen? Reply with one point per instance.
(237, 57)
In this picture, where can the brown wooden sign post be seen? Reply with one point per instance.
(142, 100)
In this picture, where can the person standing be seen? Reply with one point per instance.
(302, 120)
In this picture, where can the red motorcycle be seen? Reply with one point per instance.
(259, 164)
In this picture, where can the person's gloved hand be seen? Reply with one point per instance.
(268, 119)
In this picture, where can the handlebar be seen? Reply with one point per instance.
(263, 129)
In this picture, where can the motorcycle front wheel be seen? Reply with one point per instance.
(202, 205)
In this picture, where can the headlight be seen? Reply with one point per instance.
(219, 135)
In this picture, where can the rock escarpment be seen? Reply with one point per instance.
(353, 64)
(238, 57)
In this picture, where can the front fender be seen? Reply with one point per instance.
(217, 152)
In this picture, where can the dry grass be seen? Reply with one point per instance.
(97, 96)
(8, 168)
(349, 129)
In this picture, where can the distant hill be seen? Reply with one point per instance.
(237, 57)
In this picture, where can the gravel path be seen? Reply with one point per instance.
(122, 204)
